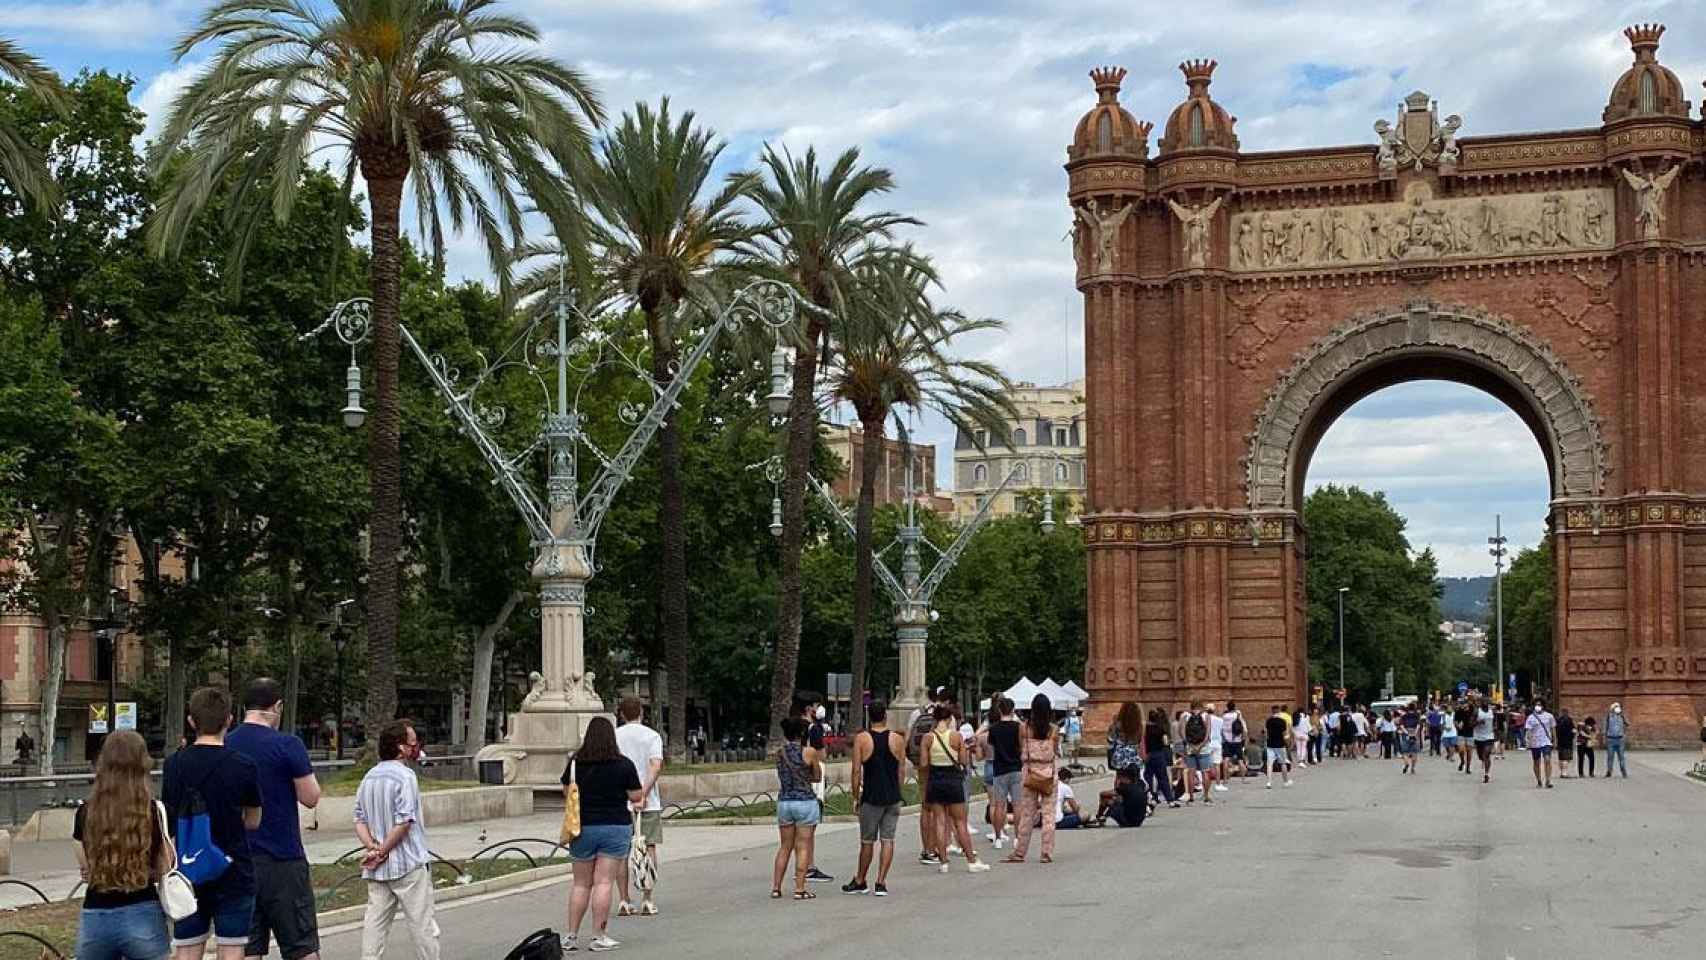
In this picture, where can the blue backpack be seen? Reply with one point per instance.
(199, 858)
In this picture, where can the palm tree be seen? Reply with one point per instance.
(657, 242)
(816, 237)
(429, 93)
(891, 354)
(22, 167)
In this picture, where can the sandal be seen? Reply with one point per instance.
(804, 895)
(1046, 859)
(776, 894)
(1013, 860)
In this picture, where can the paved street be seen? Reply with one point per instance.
(1355, 862)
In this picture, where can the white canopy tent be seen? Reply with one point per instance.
(1058, 697)
(1076, 692)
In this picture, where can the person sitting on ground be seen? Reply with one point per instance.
(1068, 815)
(1127, 804)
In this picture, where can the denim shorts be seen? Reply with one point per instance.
(138, 930)
(225, 911)
(1199, 761)
(1541, 752)
(1007, 787)
(798, 813)
(609, 840)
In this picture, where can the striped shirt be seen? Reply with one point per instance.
(389, 795)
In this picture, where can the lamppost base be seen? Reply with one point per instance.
(539, 743)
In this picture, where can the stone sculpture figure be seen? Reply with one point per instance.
(1491, 236)
(1269, 239)
(1650, 197)
(1105, 232)
(1247, 245)
(1593, 220)
(1196, 221)
(535, 689)
(1339, 233)
(1448, 151)
(1387, 155)
(1553, 230)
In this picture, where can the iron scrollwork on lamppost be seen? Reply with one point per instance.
(563, 526)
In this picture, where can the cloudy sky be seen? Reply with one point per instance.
(970, 104)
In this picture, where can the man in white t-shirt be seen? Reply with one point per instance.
(644, 749)
(1541, 734)
(1067, 814)
(1217, 731)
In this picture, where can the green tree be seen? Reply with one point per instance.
(1356, 540)
(658, 239)
(1530, 612)
(23, 169)
(893, 353)
(431, 93)
(816, 236)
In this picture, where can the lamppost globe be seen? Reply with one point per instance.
(778, 399)
(354, 415)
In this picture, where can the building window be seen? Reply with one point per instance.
(1104, 132)
(1060, 471)
(1649, 95)
(982, 438)
(1019, 437)
(979, 474)
(1060, 436)
(1196, 125)
(1022, 471)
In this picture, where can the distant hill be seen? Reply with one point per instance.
(1465, 598)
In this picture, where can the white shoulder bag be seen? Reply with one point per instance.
(177, 894)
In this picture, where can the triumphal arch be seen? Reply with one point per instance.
(1235, 303)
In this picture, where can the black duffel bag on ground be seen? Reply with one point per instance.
(539, 945)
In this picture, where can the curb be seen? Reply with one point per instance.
(353, 914)
(837, 818)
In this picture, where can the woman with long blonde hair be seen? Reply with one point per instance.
(123, 849)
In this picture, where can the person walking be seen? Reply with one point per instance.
(1199, 755)
(284, 889)
(1388, 735)
(1484, 739)
(1585, 734)
(1038, 787)
(1464, 718)
(1158, 758)
(208, 775)
(122, 849)
(1538, 732)
(1232, 749)
(1616, 729)
(1300, 731)
(397, 865)
(1436, 728)
(1360, 719)
(945, 759)
(1410, 733)
(643, 746)
(798, 813)
(1217, 746)
(879, 769)
(1275, 752)
(1317, 734)
(1447, 733)
(1565, 743)
(1331, 723)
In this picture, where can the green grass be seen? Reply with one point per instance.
(838, 804)
(344, 783)
(57, 922)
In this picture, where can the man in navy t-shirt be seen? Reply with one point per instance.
(225, 781)
(284, 890)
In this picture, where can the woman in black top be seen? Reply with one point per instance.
(609, 794)
(1157, 757)
(122, 849)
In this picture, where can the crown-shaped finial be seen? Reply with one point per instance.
(1107, 81)
(1143, 128)
(1197, 74)
(1644, 39)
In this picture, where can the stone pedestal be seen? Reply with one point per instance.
(911, 690)
(554, 715)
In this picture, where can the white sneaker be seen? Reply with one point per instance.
(570, 942)
(954, 848)
(991, 834)
(603, 943)
(977, 866)
(648, 909)
(999, 841)
(1269, 784)
(1223, 788)
(625, 909)
(942, 869)
(1288, 783)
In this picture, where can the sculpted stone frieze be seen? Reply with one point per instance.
(1422, 228)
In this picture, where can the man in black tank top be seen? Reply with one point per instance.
(879, 767)
(1002, 746)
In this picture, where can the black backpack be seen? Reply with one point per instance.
(921, 728)
(1238, 727)
(539, 945)
(1196, 731)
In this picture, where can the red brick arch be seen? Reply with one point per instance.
(1236, 302)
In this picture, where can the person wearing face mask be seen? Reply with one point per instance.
(1616, 728)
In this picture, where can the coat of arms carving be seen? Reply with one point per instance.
(1418, 138)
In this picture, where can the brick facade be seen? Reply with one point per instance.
(1235, 303)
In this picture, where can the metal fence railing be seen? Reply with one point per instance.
(21, 797)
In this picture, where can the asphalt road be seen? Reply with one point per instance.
(1354, 862)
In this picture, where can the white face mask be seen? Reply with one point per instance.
(820, 713)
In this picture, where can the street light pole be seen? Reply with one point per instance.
(1498, 551)
(1342, 592)
(564, 527)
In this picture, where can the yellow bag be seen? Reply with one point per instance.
(571, 809)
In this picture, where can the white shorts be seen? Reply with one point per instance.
(1276, 755)
(1217, 755)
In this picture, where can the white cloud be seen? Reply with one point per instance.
(155, 100)
(98, 24)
